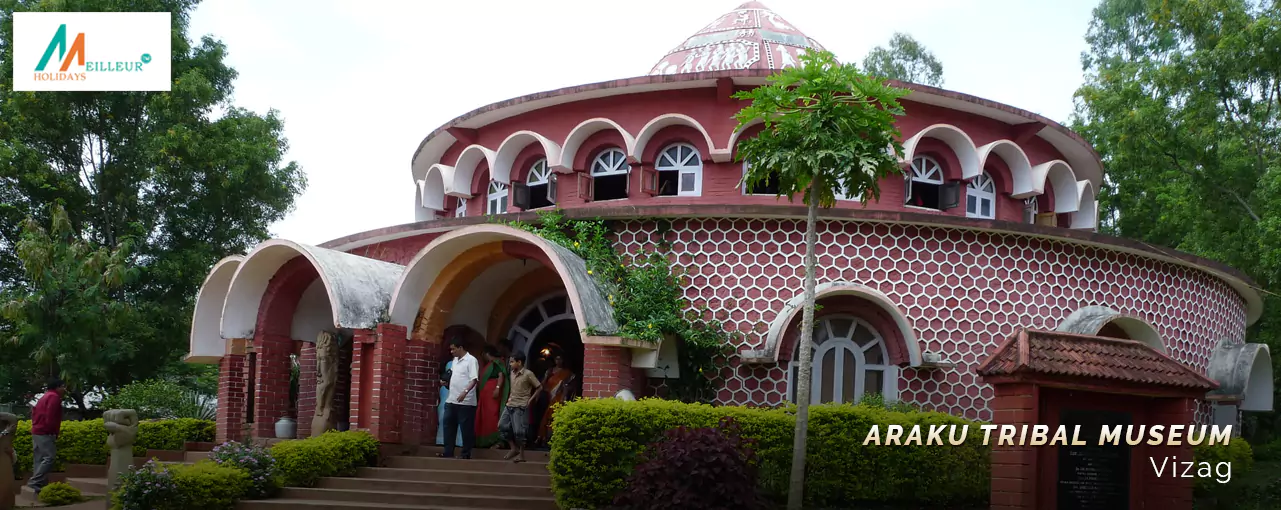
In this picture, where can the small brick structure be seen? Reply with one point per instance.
(1047, 378)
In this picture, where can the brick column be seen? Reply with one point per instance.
(422, 390)
(306, 388)
(606, 370)
(232, 394)
(362, 378)
(1169, 493)
(1013, 467)
(388, 393)
(271, 392)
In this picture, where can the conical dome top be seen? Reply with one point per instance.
(749, 37)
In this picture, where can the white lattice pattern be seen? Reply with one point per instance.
(964, 291)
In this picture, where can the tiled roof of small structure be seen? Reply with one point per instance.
(1063, 354)
(749, 37)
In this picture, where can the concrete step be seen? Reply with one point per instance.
(89, 486)
(308, 504)
(485, 454)
(453, 476)
(442, 499)
(484, 484)
(194, 457)
(481, 465)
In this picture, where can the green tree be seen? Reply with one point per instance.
(904, 60)
(828, 129)
(185, 174)
(1181, 100)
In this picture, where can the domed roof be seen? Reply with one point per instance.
(749, 37)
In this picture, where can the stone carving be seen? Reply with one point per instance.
(326, 383)
(8, 425)
(122, 430)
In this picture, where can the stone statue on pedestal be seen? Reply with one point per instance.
(8, 486)
(122, 430)
(326, 383)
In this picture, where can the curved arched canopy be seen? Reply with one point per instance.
(465, 168)
(581, 132)
(675, 119)
(778, 328)
(1244, 374)
(359, 288)
(1086, 216)
(1091, 320)
(207, 345)
(957, 140)
(505, 158)
(1061, 176)
(1014, 158)
(592, 309)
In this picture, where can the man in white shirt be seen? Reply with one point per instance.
(460, 409)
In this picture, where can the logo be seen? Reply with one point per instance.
(79, 51)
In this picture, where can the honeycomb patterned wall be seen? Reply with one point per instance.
(964, 291)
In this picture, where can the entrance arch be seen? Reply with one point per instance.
(850, 360)
(543, 330)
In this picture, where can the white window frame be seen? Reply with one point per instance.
(670, 160)
(496, 199)
(617, 165)
(460, 207)
(981, 188)
(890, 373)
(932, 174)
(539, 173)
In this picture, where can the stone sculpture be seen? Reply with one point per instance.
(8, 486)
(326, 383)
(122, 430)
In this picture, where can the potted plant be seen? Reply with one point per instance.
(287, 426)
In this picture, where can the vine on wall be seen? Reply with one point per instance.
(649, 304)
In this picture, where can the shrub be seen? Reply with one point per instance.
(598, 443)
(1267, 452)
(85, 442)
(201, 486)
(160, 399)
(303, 462)
(151, 486)
(254, 460)
(59, 493)
(695, 469)
(1236, 451)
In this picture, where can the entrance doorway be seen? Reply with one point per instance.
(545, 329)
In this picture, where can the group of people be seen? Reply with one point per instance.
(499, 404)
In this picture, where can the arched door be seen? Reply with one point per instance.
(850, 361)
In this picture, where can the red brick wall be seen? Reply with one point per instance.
(608, 369)
(422, 388)
(232, 392)
(271, 383)
(387, 395)
(306, 388)
(1014, 481)
(1169, 493)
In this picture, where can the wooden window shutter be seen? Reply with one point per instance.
(585, 186)
(907, 187)
(950, 195)
(551, 189)
(1047, 219)
(649, 181)
(520, 195)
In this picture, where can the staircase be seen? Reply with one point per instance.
(92, 479)
(421, 481)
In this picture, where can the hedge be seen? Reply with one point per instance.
(204, 485)
(85, 442)
(596, 444)
(303, 462)
(1237, 451)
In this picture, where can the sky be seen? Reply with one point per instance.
(361, 83)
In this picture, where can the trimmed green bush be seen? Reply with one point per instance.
(85, 442)
(303, 462)
(59, 493)
(597, 444)
(201, 486)
(1237, 451)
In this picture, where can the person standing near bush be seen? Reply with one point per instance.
(460, 410)
(490, 399)
(46, 421)
(513, 423)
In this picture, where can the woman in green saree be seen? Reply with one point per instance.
(491, 398)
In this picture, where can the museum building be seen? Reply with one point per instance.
(981, 262)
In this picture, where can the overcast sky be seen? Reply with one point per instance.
(360, 83)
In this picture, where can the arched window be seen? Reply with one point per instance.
(980, 197)
(497, 198)
(609, 175)
(924, 183)
(542, 193)
(850, 360)
(460, 207)
(768, 187)
(680, 171)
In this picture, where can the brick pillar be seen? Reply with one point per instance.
(422, 390)
(363, 372)
(271, 392)
(606, 370)
(1168, 493)
(387, 395)
(342, 394)
(1014, 467)
(232, 393)
(306, 388)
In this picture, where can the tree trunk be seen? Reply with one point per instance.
(796, 492)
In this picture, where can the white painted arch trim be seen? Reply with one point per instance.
(1087, 214)
(732, 144)
(674, 119)
(1244, 373)
(358, 288)
(1020, 167)
(956, 139)
(505, 158)
(778, 328)
(465, 168)
(1058, 173)
(207, 345)
(581, 132)
(427, 265)
(1089, 320)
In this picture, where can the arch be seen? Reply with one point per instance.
(657, 124)
(505, 158)
(581, 132)
(207, 345)
(435, 262)
(358, 288)
(778, 328)
(1091, 320)
(431, 189)
(547, 318)
(733, 138)
(1244, 373)
(465, 168)
(1087, 213)
(957, 140)
(1059, 175)
(1020, 167)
